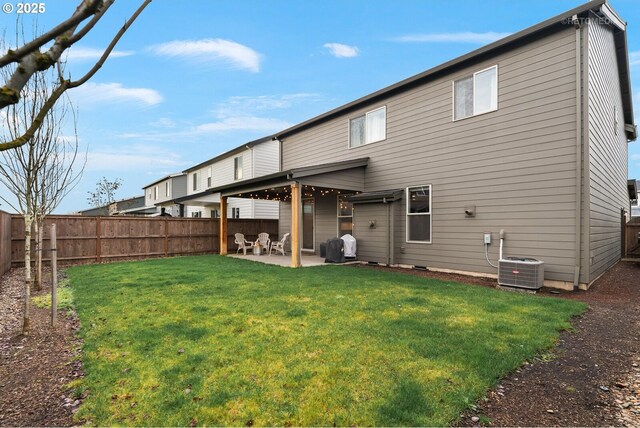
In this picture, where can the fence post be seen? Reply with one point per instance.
(54, 276)
(98, 242)
(166, 237)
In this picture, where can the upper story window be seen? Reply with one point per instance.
(166, 189)
(476, 94)
(237, 168)
(369, 128)
(209, 177)
(155, 193)
(195, 180)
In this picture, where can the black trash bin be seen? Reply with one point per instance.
(323, 249)
(335, 251)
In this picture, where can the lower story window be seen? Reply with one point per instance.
(196, 214)
(345, 216)
(235, 212)
(419, 214)
(215, 213)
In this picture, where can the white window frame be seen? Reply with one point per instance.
(338, 216)
(155, 193)
(235, 212)
(237, 176)
(408, 214)
(194, 182)
(209, 177)
(366, 115)
(166, 189)
(453, 91)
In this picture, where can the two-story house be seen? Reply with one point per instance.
(162, 193)
(247, 161)
(527, 135)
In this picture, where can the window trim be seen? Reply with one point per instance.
(338, 216)
(209, 177)
(235, 210)
(453, 93)
(384, 107)
(194, 182)
(430, 214)
(155, 192)
(167, 193)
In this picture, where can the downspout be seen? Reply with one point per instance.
(578, 204)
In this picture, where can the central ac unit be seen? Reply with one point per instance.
(521, 272)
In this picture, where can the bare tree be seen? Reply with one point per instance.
(105, 192)
(43, 171)
(31, 61)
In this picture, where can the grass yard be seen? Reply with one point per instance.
(210, 340)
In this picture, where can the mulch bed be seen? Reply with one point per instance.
(592, 378)
(35, 368)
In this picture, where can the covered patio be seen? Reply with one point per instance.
(301, 188)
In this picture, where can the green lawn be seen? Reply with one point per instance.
(219, 341)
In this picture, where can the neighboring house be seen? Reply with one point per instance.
(162, 193)
(250, 160)
(528, 134)
(129, 206)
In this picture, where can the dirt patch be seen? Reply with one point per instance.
(35, 368)
(590, 379)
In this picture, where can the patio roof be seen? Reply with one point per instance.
(346, 175)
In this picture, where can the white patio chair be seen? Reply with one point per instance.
(243, 244)
(264, 241)
(279, 245)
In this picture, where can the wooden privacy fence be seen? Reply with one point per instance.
(83, 239)
(5, 242)
(631, 243)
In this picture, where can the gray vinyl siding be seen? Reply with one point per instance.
(516, 165)
(284, 222)
(266, 158)
(179, 186)
(372, 244)
(265, 209)
(607, 151)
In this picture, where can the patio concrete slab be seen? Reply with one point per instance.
(280, 260)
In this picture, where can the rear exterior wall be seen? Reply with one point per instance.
(517, 165)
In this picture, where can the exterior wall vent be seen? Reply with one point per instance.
(521, 272)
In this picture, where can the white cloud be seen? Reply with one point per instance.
(163, 122)
(80, 53)
(462, 37)
(135, 159)
(211, 51)
(342, 51)
(249, 105)
(244, 123)
(634, 58)
(113, 93)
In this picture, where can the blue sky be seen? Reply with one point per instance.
(192, 79)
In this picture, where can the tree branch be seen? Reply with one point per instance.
(85, 9)
(7, 98)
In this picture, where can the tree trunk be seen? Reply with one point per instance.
(28, 221)
(38, 230)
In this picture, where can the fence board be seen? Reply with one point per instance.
(5, 242)
(94, 239)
